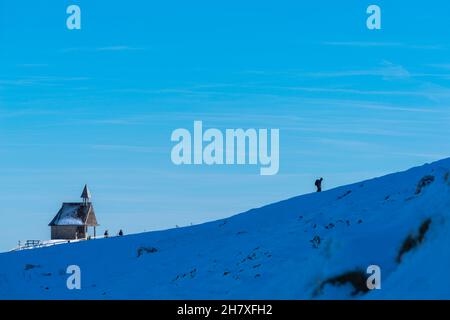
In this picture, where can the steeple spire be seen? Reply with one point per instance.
(86, 194)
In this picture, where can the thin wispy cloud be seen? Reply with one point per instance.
(189, 92)
(127, 148)
(328, 129)
(386, 70)
(368, 44)
(29, 113)
(347, 91)
(445, 66)
(116, 48)
(32, 65)
(39, 80)
(118, 121)
(435, 156)
(349, 103)
(156, 91)
(100, 147)
(344, 143)
(362, 44)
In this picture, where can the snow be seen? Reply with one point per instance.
(69, 215)
(43, 243)
(265, 253)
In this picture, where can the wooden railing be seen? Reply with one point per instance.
(34, 244)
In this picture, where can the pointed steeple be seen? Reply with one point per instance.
(86, 194)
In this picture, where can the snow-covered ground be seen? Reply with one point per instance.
(311, 246)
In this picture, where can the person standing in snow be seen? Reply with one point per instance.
(318, 184)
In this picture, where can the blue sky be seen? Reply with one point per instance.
(98, 105)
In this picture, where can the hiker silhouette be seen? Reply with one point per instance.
(318, 184)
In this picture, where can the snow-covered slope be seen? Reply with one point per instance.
(311, 246)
